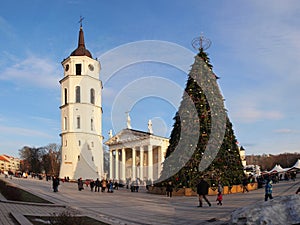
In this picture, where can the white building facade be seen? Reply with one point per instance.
(81, 115)
(136, 155)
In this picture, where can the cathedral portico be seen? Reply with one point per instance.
(136, 155)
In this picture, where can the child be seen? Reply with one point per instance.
(219, 198)
(268, 190)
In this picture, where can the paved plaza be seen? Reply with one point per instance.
(125, 207)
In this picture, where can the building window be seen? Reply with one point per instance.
(78, 157)
(92, 158)
(78, 69)
(77, 90)
(92, 124)
(66, 96)
(78, 122)
(66, 143)
(65, 157)
(65, 123)
(79, 142)
(92, 144)
(92, 95)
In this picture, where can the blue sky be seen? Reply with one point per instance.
(145, 52)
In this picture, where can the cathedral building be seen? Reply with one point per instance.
(136, 155)
(81, 115)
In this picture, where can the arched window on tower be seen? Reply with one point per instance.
(92, 124)
(66, 96)
(78, 122)
(65, 123)
(77, 90)
(92, 94)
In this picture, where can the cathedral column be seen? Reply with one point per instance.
(150, 162)
(133, 163)
(111, 163)
(160, 160)
(117, 165)
(142, 163)
(123, 177)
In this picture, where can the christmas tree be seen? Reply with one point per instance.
(202, 142)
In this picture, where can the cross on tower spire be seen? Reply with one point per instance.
(80, 20)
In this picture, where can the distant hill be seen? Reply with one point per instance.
(267, 162)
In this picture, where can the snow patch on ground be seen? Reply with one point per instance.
(280, 210)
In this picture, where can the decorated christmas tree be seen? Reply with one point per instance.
(202, 142)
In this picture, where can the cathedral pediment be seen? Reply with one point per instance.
(127, 135)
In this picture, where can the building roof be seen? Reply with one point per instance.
(3, 158)
(81, 50)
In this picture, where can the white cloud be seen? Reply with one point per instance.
(33, 71)
(18, 131)
(47, 121)
(285, 131)
(247, 110)
(145, 51)
(251, 115)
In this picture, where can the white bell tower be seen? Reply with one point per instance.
(81, 115)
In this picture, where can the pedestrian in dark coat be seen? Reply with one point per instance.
(202, 191)
(97, 185)
(80, 184)
(55, 183)
(92, 185)
(245, 183)
(169, 189)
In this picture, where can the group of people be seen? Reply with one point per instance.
(202, 191)
(98, 185)
(202, 188)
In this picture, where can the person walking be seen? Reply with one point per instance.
(268, 190)
(219, 198)
(92, 185)
(169, 189)
(80, 184)
(245, 183)
(103, 185)
(110, 187)
(55, 183)
(202, 191)
(97, 185)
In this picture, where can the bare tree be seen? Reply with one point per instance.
(42, 159)
(32, 158)
(51, 159)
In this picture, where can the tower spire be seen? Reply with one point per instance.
(81, 50)
(81, 38)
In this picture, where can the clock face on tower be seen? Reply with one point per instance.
(91, 67)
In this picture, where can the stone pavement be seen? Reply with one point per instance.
(125, 207)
